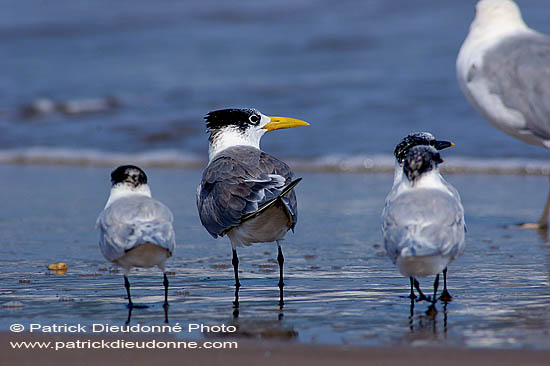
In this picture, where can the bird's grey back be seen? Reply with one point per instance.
(133, 220)
(237, 182)
(431, 218)
(518, 70)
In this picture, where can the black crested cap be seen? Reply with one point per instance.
(419, 160)
(129, 174)
(416, 139)
(242, 118)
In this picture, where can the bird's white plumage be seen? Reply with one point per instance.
(132, 218)
(497, 28)
(423, 225)
(232, 136)
(272, 225)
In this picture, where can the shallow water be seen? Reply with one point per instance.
(363, 73)
(340, 287)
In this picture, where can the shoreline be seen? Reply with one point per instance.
(364, 164)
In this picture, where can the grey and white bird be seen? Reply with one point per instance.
(423, 222)
(503, 69)
(135, 229)
(246, 193)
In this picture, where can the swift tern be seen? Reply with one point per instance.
(135, 229)
(423, 222)
(503, 69)
(246, 193)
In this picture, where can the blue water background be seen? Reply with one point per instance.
(363, 73)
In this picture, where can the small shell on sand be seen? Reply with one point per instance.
(58, 266)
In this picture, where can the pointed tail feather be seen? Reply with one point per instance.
(272, 202)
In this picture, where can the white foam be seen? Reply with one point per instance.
(362, 163)
(385, 163)
(68, 156)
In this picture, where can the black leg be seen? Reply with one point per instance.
(235, 263)
(436, 285)
(281, 261)
(421, 295)
(412, 296)
(445, 295)
(236, 302)
(127, 285)
(165, 290)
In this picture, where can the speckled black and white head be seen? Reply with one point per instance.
(416, 139)
(242, 126)
(128, 180)
(129, 175)
(420, 160)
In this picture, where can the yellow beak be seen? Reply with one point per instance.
(278, 123)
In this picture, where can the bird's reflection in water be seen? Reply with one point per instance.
(165, 307)
(428, 321)
(131, 308)
(236, 303)
(275, 329)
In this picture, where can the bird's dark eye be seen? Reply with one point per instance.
(255, 119)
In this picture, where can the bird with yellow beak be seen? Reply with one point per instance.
(246, 193)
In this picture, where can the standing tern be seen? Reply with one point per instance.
(135, 229)
(246, 193)
(423, 222)
(503, 69)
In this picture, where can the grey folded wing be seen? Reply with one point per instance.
(518, 71)
(239, 182)
(424, 222)
(135, 220)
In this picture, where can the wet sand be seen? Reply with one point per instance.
(267, 354)
(341, 289)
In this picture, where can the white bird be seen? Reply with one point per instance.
(423, 221)
(245, 192)
(503, 69)
(135, 229)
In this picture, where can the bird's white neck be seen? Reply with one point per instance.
(430, 180)
(232, 136)
(397, 173)
(494, 20)
(121, 190)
